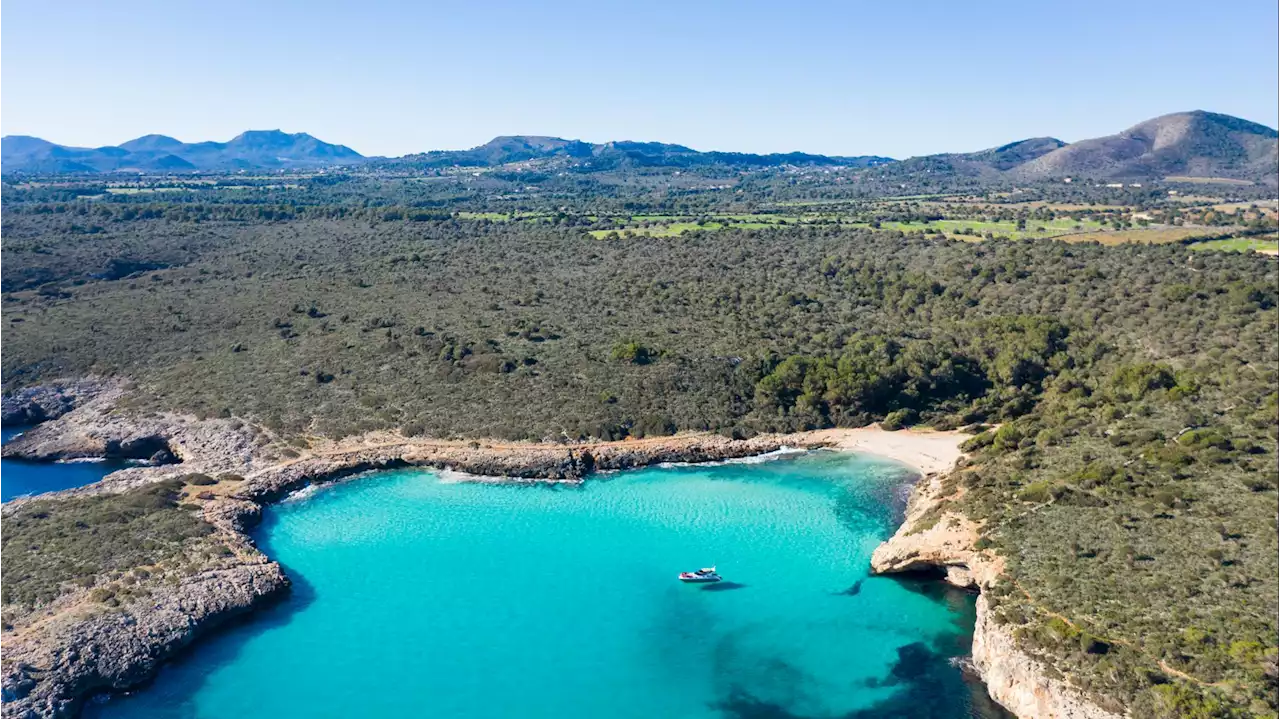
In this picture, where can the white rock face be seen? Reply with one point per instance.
(947, 543)
(1019, 682)
(1016, 680)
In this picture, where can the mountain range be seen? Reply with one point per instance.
(1197, 143)
(618, 154)
(253, 150)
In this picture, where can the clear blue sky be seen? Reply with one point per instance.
(835, 77)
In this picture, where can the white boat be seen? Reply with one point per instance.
(705, 575)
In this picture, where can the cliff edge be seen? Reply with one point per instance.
(936, 536)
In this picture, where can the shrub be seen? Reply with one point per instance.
(899, 419)
(632, 352)
(50, 543)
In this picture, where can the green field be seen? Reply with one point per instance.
(669, 226)
(1239, 244)
(143, 190)
(1041, 229)
(497, 216)
(673, 229)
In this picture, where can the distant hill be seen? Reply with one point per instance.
(613, 155)
(985, 165)
(253, 150)
(1195, 144)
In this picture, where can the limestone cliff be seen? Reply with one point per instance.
(1019, 682)
(49, 401)
(937, 536)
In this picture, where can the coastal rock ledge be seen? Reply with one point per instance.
(52, 667)
(937, 537)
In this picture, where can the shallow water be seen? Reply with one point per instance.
(418, 596)
(22, 479)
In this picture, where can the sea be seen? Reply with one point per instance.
(416, 594)
(19, 478)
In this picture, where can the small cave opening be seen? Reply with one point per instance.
(154, 449)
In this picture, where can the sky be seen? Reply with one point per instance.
(838, 77)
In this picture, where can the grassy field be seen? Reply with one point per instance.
(1266, 206)
(1266, 245)
(1148, 236)
(1065, 229)
(1033, 229)
(673, 229)
(143, 190)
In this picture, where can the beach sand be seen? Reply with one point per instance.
(928, 451)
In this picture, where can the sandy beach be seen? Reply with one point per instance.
(928, 451)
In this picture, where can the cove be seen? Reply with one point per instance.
(19, 478)
(416, 595)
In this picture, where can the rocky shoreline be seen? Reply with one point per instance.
(936, 537)
(32, 405)
(58, 656)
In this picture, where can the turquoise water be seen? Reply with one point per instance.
(418, 596)
(21, 479)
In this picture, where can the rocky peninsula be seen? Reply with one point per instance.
(59, 653)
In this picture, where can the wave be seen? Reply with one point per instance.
(300, 494)
(80, 460)
(779, 453)
(454, 476)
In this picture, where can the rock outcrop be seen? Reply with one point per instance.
(51, 667)
(936, 536)
(48, 401)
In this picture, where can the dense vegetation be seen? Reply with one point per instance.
(1131, 483)
(50, 545)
